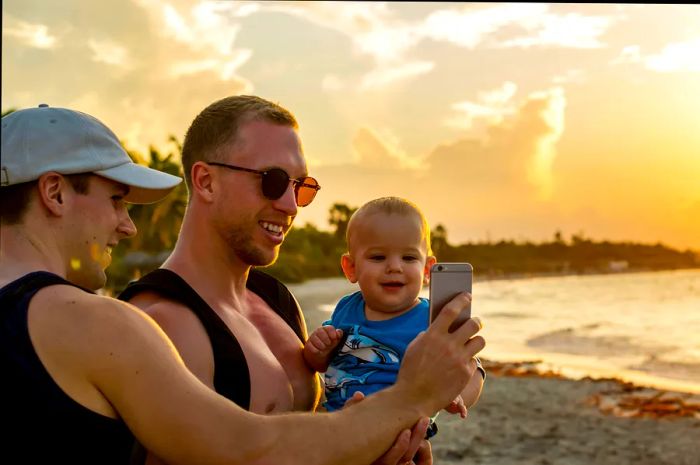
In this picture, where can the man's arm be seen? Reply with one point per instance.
(110, 346)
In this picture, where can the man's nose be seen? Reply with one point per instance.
(288, 202)
(126, 227)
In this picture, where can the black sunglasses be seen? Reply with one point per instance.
(276, 180)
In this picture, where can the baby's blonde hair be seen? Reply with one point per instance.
(389, 206)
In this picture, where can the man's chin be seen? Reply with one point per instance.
(92, 281)
(259, 257)
(268, 260)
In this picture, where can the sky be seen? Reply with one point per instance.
(500, 120)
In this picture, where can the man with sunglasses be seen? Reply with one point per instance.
(238, 329)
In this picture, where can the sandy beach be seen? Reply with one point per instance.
(528, 417)
(545, 420)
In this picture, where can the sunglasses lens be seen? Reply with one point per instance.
(274, 183)
(306, 191)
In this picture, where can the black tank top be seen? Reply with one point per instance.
(231, 376)
(42, 423)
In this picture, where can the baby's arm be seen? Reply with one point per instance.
(472, 391)
(320, 345)
(470, 395)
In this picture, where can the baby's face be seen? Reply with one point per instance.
(388, 260)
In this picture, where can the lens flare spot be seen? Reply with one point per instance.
(75, 264)
(95, 252)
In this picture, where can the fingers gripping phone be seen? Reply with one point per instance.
(446, 281)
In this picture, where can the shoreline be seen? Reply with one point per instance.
(525, 416)
(562, 274)
(525, 275)
(628, 377)
(620, 398)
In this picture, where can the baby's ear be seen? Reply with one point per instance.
(429, 262)
(347, 263)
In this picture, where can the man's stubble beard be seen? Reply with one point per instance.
(89, 276)
(243, 247)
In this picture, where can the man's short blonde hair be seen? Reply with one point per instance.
(389, 206)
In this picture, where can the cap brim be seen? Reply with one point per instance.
(146, 185)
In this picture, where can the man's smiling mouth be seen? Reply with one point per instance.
(272, 228)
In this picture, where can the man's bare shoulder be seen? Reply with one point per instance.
(167, 312)
(68, 300)
(184, 329)
(85, 339)
(64, 309)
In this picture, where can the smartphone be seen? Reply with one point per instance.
(446, 281)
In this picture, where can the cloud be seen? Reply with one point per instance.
(332, 83)
(679, 56)
(673, 58)
(491, 107)
(517, 152)
(379, 151)
(31, 34)
(629, 54)
(502, 176)
(376, 31)
(570, 31)
(570, 76)
(471, 27)
(146, 81)
(385, 75)
(109, 52)
(207, 33)
(468, 27)
(373, 27)
(548, 105)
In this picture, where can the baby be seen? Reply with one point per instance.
(360, 348)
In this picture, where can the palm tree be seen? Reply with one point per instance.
(158, 224)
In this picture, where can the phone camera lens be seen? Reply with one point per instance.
(439, 268)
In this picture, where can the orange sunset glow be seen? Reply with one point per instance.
(501, 120)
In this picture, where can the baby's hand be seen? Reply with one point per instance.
(457, 406)
(324, 339)
(319, 346)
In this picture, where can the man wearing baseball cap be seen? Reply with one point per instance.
(74, 154)
(83, 374)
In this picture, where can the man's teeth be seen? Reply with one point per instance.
(274, 228)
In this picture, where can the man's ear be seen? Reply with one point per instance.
(202, 181)
(429, 262)
(347, 263)
(53, 190)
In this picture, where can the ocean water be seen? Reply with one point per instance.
(640, 327)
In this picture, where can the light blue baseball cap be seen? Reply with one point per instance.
(43, 139)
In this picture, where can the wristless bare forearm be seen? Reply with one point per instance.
(358, 434)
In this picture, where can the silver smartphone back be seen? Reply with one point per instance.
(446, 281)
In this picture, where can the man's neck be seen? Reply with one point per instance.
(22, 252)
(202, 259)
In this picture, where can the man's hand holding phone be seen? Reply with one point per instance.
(439, 363)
